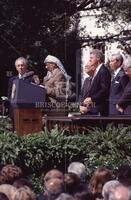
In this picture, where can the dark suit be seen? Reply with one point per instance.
(117, 87)
(10, 83)
(99, 91)
(125, 100)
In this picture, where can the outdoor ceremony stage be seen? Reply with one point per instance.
(83, 122)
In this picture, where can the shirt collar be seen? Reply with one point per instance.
(97, 69)
(117, 71)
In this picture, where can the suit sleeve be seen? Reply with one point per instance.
(125, 99)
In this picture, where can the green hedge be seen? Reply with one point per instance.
(41, 151)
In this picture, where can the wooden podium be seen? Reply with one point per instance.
(26, 100)
(27, 121)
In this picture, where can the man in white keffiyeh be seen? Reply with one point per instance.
(56, 81)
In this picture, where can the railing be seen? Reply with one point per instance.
(74, 123)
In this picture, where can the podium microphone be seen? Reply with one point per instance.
(28, 74)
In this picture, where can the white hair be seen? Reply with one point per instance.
(127, 63)
(118, 57)
(121, 193)
(108, 188)
(24, 60)
(78, 168)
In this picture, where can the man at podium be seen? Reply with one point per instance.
(24, 97)
(21, 65)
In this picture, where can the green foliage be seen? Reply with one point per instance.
(36, 183)
(40, 152)
(110, 148)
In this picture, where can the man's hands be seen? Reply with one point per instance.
(121, 110)
(36, 79)
(87, 102)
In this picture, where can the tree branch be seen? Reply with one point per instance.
(84, 4)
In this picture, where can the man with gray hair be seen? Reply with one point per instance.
(21, 65)
(96, 98)
(124, 103)
(108, 188)
(118, 82)
(79, 169)
(121, 193)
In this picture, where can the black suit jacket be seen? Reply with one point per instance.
(10, 83)
(125, 100)
(99, 91)
(117, 88)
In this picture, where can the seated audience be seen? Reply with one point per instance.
(124, 175)
(85, 195)
(121, 193)
(24, 193)
(98, 179)
(109, 188)
(64, 196)
(53, 173)
(53, 188)
(8, 190)
(72, 183)
(10, 173)
(22, 182)
(79, 169)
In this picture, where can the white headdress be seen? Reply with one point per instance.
(55, 60)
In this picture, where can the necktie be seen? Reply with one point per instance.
(89, 85)
(112, 76)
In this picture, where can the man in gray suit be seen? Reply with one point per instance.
(118, 82)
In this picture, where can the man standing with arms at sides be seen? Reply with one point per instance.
(96, 100)
(124, 103)
(118, 82)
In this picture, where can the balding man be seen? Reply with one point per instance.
(52, 189)
(121, 193)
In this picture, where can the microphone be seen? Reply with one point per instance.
(28, 74)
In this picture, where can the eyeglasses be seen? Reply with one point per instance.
(20, 65)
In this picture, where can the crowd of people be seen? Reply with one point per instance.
(106, 90)
(73, 184)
